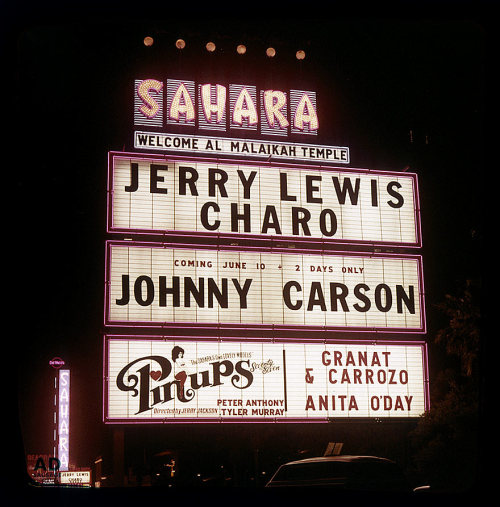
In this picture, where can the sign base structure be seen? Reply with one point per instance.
(167, 380)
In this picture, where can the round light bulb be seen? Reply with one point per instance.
(148, 41)
(210, 47)
(270, 52)
(180, 44)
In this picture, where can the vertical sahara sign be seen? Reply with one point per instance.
(63, 419)
(159, 285)
(163, 379)
(168, 195)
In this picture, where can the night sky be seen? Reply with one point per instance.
(403, 87)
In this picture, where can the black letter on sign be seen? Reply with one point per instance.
(125, 291)
(346, 188)
(270, 220)
(394, 193)
(378, 297)
(150, 290)
(335, 296)
(310, 188)
(286, 295)
(215, 181)
(154, 179)
(362, 297)
(328, 231)
(204, 216)
(134, 178)
(409, 300)
(247, 183)
(183, 181)
(141, 385)
(300, 216)
(236, 217)
(283, 189)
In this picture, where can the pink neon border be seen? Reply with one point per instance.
(238, 326)
(296, 239)
(246, 420)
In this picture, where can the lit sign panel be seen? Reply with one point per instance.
(159, 285)
(158, 195)
(63, 419)
(161, 380)
(80, 477)
(254, 149)
(175, 102)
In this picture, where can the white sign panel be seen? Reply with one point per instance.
(160, 195)
(255, 148)
(164, 380)
(81, 477)
(159, 285)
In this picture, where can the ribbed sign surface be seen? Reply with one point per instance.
(157, 285)
(162, 195)
(166, 380)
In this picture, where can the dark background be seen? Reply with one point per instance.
(402, 85)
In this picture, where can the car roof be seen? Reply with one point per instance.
(342, 458)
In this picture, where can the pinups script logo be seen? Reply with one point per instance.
(179, 383)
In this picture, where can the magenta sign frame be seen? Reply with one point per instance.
(216, 324)
(144, 419)
(316, 240)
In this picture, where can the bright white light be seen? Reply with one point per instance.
(63, 429)
(341, 380)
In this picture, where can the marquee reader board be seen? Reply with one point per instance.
(167, 380)
(161, 195)
(161, 285)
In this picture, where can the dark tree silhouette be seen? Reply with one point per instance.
(446, 441)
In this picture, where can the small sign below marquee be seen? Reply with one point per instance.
(254, 148)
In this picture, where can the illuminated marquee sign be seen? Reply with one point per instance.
(164, 380)
(80, 477)
(217, 107)
(160, 285)
(159, 195)
(63, 419)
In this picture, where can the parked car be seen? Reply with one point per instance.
(347, 473)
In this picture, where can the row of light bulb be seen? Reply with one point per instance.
(240, 49)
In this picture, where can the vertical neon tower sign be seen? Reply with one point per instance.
(63, 420)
